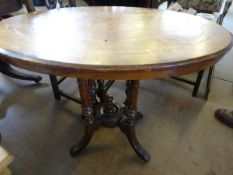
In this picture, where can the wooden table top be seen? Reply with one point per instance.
(112, 42)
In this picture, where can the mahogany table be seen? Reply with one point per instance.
(111, 43)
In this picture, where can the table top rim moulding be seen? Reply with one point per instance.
(144, 71)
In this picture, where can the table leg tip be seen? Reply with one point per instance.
(75, 150)
(139, 116)
(38, 79)
(146, 157)
(143, 154)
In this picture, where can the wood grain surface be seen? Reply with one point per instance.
(112, 42)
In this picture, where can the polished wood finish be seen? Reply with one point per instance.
(112, 43)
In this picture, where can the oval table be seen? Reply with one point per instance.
(111, 43)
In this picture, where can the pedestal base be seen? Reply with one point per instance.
(109, 114)
(119, 120)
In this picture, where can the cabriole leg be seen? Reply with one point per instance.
(87, 115)
(127, 127)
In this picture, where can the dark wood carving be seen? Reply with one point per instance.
(110, 115)
(87, 114)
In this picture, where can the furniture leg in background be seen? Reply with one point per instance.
(225, 5)
(9, 71)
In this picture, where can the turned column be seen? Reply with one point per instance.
(131, 113)
(87, 115)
